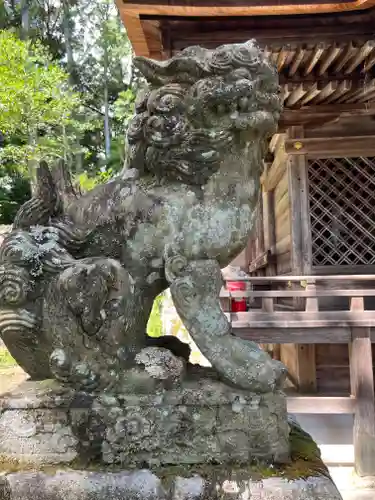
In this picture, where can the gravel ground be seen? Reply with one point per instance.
(10, 377)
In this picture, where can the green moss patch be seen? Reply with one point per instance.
(6, 359)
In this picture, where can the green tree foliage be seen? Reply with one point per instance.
(14, 191)
(155, 325)
(35, 101)
(103, 55)
(67, 90)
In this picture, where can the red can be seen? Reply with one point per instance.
(237, 304)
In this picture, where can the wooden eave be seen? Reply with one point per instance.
(233, 8)
(325, 52)
(133, 13)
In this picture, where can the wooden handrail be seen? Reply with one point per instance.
(296, 293)
(355, 327)
(311, 279)
(297, 319)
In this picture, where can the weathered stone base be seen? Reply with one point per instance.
(220, 484)
(44, 426)
(201, 420)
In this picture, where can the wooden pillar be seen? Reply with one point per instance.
(269, 227)
(362, 388)
(261, 225)
(305, 364)
(300, 209)
(268, 242)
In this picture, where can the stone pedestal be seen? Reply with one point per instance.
(220, 484)
(200, 440)
(197, 421)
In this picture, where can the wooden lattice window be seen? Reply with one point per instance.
(342, 211)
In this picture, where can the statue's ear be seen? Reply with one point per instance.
(150, 69)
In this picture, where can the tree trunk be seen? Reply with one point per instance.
(66, 21)
(25, 20)
(107, 131)
(25, 29)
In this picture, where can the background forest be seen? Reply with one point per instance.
(66, 91)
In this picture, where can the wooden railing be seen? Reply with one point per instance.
(355, 326)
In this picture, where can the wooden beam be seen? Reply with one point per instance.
(312, 278)
(298, 319)
(183, 36)
(296, 94)
(329, 58)
(349, 53)
(243, 10)
(306, 257)
(361, 92)
(314, 59)
(331, 147)
(321, 405)
(301, 338)
(343, 89)
(277, 169)
(362, 388)
(273, 294)
(362, 382)
(262, 261)
(360, 56)
(297, 61)
(295, 203)
(323, 113)
(305, 373)
(269, 225)
(306, 353)
(326, 92)
(310, 95)
(207, 3)
(134, 30)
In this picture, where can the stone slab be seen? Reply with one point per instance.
(200, 420)
(222, 484)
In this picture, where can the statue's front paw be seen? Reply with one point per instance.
(71, 372)
(271, 374)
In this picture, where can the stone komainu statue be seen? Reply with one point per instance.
(79, 274)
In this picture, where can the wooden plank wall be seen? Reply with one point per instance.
(255, 246)
(282, 225)
(273, 228)
(286, 224)
(333, 368)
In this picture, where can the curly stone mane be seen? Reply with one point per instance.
(195, 107)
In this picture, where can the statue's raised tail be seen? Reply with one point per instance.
(43, 205)
(53, 191)
(40, 246)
